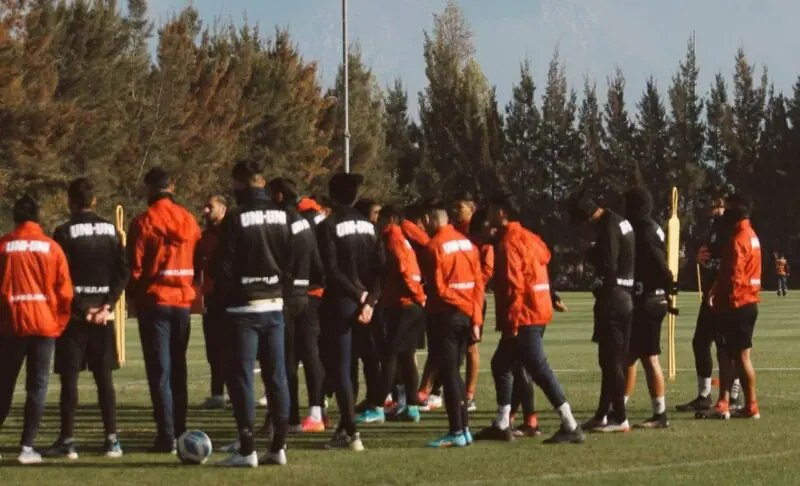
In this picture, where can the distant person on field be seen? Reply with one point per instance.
(99, 269)
(782, 270)
(161, 244)
(35, 305)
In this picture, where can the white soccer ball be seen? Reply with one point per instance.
(194, 447)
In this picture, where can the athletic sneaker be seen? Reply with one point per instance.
(28, 456)
(750, 412)
(113, 449)
(231, 448)
(614, 427)
(468, 436)
(431, 403)
(214, 403)
(529, 429)
(238, 460)
(341, 440)
(263, 401)
(699, 404)
(412, 414)
(721, 410)
(371, 416)
(449, 440)
(471, 406)
(273, 458)
(594, 423)
(310, 425)
(362, 406)
(736, 404)
(493, 432)
(566, 436)
(658, 421)
(164, 446)
(61, 449)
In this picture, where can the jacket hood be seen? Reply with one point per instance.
(307, 204)
(638, 204)
(172, 221)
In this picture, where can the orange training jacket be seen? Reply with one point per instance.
(739, 279)
(308, 205)
(161, 248)
(487, 263)
(453, 274)
(403, 284)
(522, 287)
(416, 235)
(36, 286)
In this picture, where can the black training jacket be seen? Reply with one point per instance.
(651, 273)
(254, 256)
(718, 235)
(97, 261)
(352, 254)
(306, 263)
(613, 253)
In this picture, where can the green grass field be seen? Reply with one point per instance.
(691, 452)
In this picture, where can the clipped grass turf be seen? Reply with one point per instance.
(691, 452)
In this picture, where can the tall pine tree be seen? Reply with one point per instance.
(402, 150)
(652, 140)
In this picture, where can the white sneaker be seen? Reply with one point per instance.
(231, 448)
(613, 427)
(273, 458)
(341, 440)
(28, 456)
(238, 460)
(263, 401)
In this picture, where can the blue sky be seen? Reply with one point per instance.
(643, 37)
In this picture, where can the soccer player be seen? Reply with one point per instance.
(706, 330)
(653, 282)
(464, 209)
(254, 255)
(213, 315)
(99, 270)
(301, 306)
(613, 258)
(161, 256)
(735, 296)
(35, 308)
(454, 313)
(782, 270)
(524, 308)
(354, 260)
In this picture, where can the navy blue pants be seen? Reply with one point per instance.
(37, 353)
(450, 333)
(250, 337)
(213, 331)
(164, 333)
(525, 349)
(337, 339)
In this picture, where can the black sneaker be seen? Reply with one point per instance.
(494, 432)
(565, 436)
(61, 449)
(164, 446)
(659, 421)
(699, 404)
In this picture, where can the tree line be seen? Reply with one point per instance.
(81, 94)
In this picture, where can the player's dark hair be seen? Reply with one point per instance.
(581, 206)
(285, 186)
(478, 221)
(364, 206)
(434, 205)
(414, 211)
(740, 204)
(80, 193)
(343, 187)
(392, 211)
(25, 209)
(505, 201)
(464, 196)
(158, 178)
(245, 170)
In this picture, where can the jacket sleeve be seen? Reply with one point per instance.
(513, 268)
(327, 251)
(221, 264)
(378, 270)
(608, 254)
(63, 290)
(135, 251)
(738, 278)
(487, 264)
(655, 257)
(120, 274)
(405, 258)
(721, 289)
(478, 291)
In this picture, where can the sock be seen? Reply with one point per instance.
(67, 440)
(503, 420)
(567, 420)
(315, 413)
(626, 399)
(704, 386)
(27, 449)
(659, 405)
(735, 389)
(112, 437)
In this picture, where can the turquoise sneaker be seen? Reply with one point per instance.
(449, 440)
(371, 416)
(412, 414)
(468, 436)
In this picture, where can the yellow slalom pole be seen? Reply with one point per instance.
(699, 285)
(120, 309)
(673, 261)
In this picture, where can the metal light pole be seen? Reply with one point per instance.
(345, 62)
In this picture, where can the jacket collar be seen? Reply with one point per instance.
(29, 228)
(160, 197)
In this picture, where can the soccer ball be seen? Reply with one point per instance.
(194, 447)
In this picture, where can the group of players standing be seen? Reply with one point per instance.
(284, 283)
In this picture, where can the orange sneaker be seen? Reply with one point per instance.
(311, 425)
(722, 410)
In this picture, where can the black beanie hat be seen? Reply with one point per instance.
(582, 207)
(343, 187)
(638, 203)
